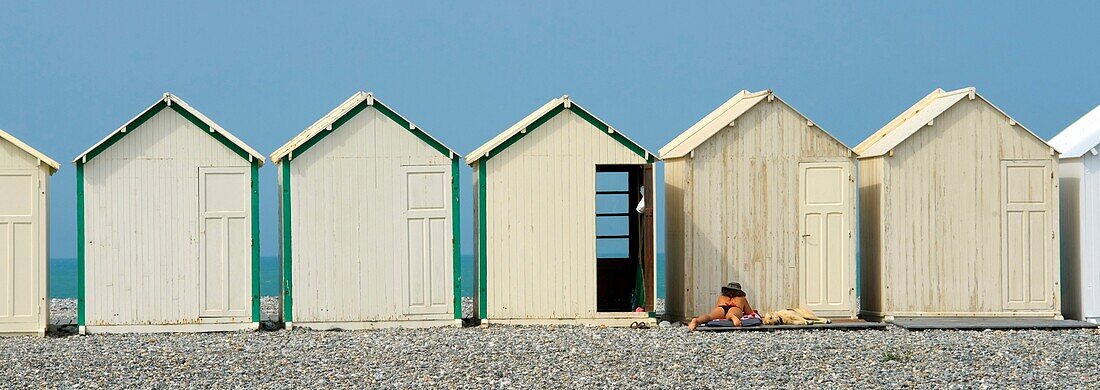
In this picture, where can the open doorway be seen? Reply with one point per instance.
(624, 268)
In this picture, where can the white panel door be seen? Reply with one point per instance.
(19, 278)
(225, 264)
(1027, 240)
(824, 208)
(427, 220)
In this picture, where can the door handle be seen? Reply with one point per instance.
(805, 235)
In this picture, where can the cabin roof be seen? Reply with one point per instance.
(1080, 137)
(54, 166)
(349, 108)
(916, 117)
(540, 116)
(721, 118)
(180, 106)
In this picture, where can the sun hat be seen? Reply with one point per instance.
(733, 286)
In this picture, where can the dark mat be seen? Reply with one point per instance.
(961, 323)
(845, 325)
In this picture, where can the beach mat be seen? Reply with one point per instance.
(977, 323)
(836, 325)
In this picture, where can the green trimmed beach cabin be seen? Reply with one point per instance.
(167, 229)
(563, 212)
(369, 222)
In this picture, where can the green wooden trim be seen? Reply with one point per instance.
(456, 239)
(527, 130)
(254, 178)
(417, 131)
(389, 113)
(481, 242)
(637, 149)
(288, 280)
(81, 305)
(148, 114)
(206, 129)
(115, 137)
(617, 136)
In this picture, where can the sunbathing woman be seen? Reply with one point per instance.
(732, 305)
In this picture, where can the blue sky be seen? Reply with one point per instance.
(71, 73)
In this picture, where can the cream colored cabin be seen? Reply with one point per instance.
(757, 193)
(959, 212)
(1080, 216)
(166, 225)
(24, 237)
(369, 222)
(541, 218)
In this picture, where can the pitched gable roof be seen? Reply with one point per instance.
(720, 118)
(916, 117)
(181, 107)
(54, 166)
(1080, 137)
(543, 114)
(344, 112)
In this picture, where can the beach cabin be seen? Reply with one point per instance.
(756, 192)
(24, 237)
(958, 214)
(1080, 216)
(167, 226)
(563, 211)
(369, 220)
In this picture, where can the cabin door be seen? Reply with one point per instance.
(1027, 241)
(427, 264)
(19, 260)
(824, 211)
(225, 263)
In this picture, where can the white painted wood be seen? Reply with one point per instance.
(224, 235)
(540, 220)
(1027, 240)
(1080, 216)
(142, 227)
(350, 221)
(733, 210)
(428, 262)
(825, 204)
(934, 217)
(24, 236)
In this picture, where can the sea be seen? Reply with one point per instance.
(63, 276)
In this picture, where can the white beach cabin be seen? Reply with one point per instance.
(370, 223)
(167, 226)
(545, 245)
(958, 214)
(24, 237)
(1080, 216)
(756, 192)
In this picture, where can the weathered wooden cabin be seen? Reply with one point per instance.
(1080, 216)
(756, 192)
(370, 222)
(545, 190)
(167, 226)
(958, 211)
(24, 237)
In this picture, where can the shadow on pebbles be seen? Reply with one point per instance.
(545, 356)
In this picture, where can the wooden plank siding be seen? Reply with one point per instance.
(540, 221)
(937, 196)
(733, 215)
(24, 244)
(142, 231)
(348, 223)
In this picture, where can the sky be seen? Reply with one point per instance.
(72, 73)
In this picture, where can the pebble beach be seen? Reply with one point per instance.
(552, 357)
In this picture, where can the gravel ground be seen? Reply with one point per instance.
(543, 357)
